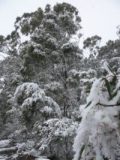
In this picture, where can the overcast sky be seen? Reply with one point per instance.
(98, 16)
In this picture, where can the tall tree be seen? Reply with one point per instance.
(49, 55)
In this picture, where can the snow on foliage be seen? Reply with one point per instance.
(2, 84)
(53, 129)
(47, 110)
(54, 86)
(28, 95)
(98, 133)
(4, 143)
(41, 158)
(68, 47)
(3, 56)
(90, 73)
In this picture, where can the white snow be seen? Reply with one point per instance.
(2, 84)
(53, 86)
(30, 92)
(4, 143)
(42, 158)
(2, 79)
(3, 56)
(24, 38)
(47, 109)
(3, 157)
(106, 67)
(100, 124)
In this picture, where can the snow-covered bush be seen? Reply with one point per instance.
(98, 133)
(55, 137)
(30, 100)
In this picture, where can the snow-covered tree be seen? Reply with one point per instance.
(49, 54)
(98, 133)
(32, 104)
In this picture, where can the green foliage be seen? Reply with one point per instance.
(47, 8)
(1, 39)
(91, 41)
(65, 7)
(25, 29)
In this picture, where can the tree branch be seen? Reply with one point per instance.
(111, 105)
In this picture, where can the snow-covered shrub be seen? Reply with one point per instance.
(98, 133)
(30, 101)
(55, 137)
